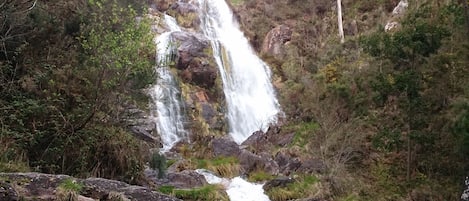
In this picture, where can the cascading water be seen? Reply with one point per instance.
(237, 188)
(250, 96)
(169, 115)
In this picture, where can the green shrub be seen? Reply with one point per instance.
(158, 162)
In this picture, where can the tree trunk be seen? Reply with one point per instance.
(339, 19)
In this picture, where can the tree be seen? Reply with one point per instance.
(339, 19)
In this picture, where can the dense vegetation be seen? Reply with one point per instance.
(386, 111)
(69, 70)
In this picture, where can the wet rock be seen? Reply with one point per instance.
(275, 40)
(186, 14)
(278, 182)
(38, 186)
(225, 147)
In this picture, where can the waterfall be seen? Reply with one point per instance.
(169, 117)
(237, 188)
(250, 96)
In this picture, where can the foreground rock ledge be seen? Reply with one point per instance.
(38, 186)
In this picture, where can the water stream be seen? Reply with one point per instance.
(250, 96)
(166, 95)
(237, 188)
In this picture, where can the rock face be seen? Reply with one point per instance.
(199, 74)
(275, 40)
(186, 14)
(45, 187)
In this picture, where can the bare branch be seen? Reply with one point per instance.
(34, 4)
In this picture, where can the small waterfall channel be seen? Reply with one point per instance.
(250, 96)
(166, 95)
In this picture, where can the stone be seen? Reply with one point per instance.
(194, 59)
(275, 40)
(278, 182)
(225, 147)
(186, 14)
(38, 186)
(162, 5)
(287, 163)
(250, 162)
(186, 179)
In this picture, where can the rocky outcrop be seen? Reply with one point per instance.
(162, 5)
(202, 89)
(186, 14)
(397, 12)
(46, 187)
(194, 59)
(262, 141)
(250, 162)
(141, 126)
(275, 40)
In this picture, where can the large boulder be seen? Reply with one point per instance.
(183, 180)
(46, 187)
(251, 162)
(225, 147)
(274, 41)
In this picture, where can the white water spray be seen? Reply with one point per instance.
(249, 93)
(166, 96)
(237, 188)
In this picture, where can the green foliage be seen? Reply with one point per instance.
(259, 176)
(223, 166)
(461, 130)
(71, 185)
(158, 162)
(304, 131)
(66, 77)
